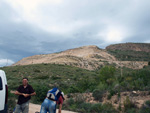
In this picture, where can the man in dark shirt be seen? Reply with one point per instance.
(25, 91)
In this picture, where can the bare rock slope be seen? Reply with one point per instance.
(87, 57)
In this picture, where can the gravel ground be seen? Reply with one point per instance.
(36, 108)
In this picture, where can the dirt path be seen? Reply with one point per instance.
(35, 107)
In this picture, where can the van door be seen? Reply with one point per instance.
(2, 90)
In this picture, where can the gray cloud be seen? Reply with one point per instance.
(54, 27)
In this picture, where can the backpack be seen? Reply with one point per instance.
(54, 94)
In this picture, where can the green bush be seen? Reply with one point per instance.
(11, 101)
(111, 93)
(42, 77)
(128, 104)
(84, 108)
(108, 108)
(95, 108)
(70, 104)
(73, 89)
(71, 101)
(132, 110)
(148, 103)
(145, 108)
(86, 84)
(107, 74)
(41, 91)
(102, 86)
(79, 99)
(98, 94)
(129, 55)
(37, 71)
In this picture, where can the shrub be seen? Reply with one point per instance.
(79, 99)
(11, 101)
(146, 107)
(111, 93)
(148, 103)
(86, 84)
(132, 110)
(42, 77)
(84, 107)
(128, 104)
(108, 108)
(70, 101)
(73, 89)
(41, 91)
(98, 94)
(107, 73)
(95, 108)
(70, 104)
(37, 71)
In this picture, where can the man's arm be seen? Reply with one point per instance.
(18, 93)
(25, 95)
(60, 107)
(32, 94)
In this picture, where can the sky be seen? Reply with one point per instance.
(33, 27)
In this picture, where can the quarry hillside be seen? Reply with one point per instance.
(130, 55)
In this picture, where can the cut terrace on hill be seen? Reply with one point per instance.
(92, 57)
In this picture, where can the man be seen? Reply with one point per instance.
(60, 102)
(25, 91)
(49, 104)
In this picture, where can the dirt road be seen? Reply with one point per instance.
(35, 107)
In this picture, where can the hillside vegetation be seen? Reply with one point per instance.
(130, 51)
(72, 80)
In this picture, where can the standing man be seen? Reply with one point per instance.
(25, 91)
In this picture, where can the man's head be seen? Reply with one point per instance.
(25, 81)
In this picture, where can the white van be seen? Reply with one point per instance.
(3, 92)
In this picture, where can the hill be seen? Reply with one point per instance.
(145, 47)
(130, 51)
(109, 84)
(86, 57)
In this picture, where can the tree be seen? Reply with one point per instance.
(107, 73)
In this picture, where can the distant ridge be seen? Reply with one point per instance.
(87, 57)
(145, 47)
(130, 51)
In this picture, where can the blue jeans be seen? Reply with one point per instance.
(48, 106)
(24, 108)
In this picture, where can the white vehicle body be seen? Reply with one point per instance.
(3, 91)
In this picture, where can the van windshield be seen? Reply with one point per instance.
(1, 85)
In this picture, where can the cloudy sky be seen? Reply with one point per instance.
(31, 27)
